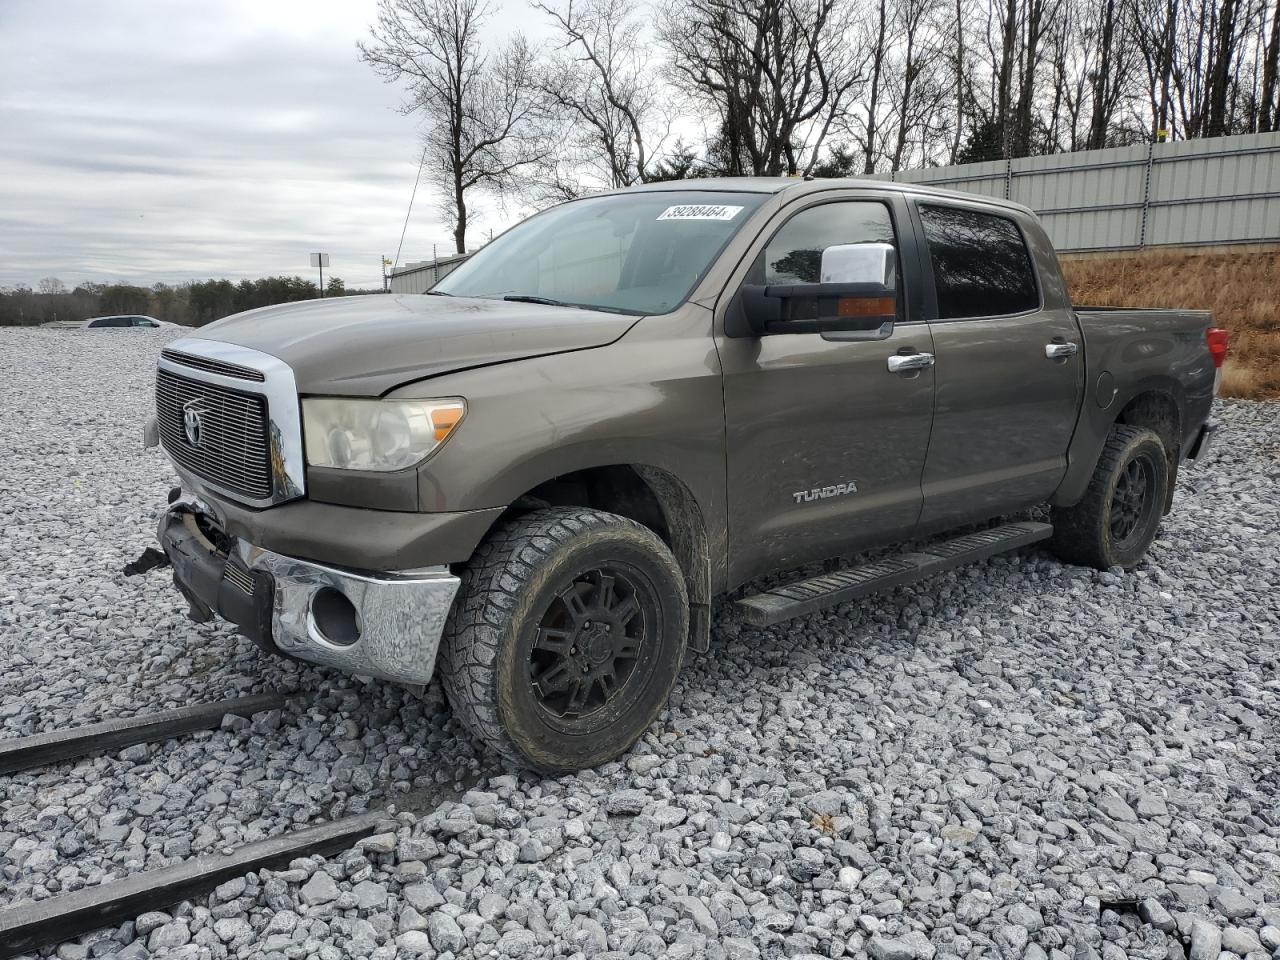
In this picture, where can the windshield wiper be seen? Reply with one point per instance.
(437, 293)
(548, 302)
(526, 298)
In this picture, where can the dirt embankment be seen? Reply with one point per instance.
(1241, 289)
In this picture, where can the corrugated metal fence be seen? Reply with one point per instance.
(1192, 192)
(421, 277)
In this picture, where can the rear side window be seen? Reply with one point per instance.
(981, 267)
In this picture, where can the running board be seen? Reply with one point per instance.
(806, 596)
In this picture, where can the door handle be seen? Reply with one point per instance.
(1060, 351)
(905, 363)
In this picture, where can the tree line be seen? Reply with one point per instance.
(193, 304)
(809, 87)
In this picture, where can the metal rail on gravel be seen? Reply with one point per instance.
(41, 749)
(29, 925)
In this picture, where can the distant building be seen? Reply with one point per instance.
(422, 276)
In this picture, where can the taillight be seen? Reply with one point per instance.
(1216, 338)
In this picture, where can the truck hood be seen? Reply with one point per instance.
(366, 346)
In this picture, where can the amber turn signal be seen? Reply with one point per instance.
(865, 307)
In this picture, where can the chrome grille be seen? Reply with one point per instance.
(234, 448)
(211, 365)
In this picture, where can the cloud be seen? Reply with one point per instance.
(150, 141)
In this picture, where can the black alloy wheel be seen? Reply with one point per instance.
(1131, 503)
(589, 644)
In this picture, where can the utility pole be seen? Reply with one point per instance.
(386, 280)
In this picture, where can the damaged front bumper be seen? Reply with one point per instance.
(385, 625)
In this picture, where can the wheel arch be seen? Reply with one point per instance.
(653, 497)
(1156, 403)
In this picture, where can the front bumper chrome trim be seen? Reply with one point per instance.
(401, 616)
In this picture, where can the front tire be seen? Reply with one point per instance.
(1118, 517)
(565, 638)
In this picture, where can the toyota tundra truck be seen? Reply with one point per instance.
(534, 479)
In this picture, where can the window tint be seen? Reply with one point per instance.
(981, 267)
(794, 255)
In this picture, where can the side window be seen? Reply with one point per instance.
(981, 267)
(794, 255)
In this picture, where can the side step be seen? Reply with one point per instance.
(806, 596)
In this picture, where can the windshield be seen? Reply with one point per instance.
(636, 253)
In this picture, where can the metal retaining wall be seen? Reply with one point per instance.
(1223, 190)
(421, 277)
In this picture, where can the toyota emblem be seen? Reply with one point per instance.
(191, 423)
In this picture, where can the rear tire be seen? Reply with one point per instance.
(565, 638)
(1118, 517)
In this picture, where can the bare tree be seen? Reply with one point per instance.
(1211, 54)
(1155, 29)
(50, 286)
(606, 90)
(878, 56)
(1072, 64)
(775, 73)
(919, 91)
(482, 109)
(1109, 79)
(1006, 120)
(962, 95)
(1269, 104)
(1220, 68)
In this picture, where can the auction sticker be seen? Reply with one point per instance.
(700, 211)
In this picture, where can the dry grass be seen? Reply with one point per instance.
(1242, 290)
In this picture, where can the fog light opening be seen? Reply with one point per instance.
(335, 617)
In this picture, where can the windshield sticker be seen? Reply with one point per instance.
(700, 211)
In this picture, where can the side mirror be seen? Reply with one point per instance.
(857, 293)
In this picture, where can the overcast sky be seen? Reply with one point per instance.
(145, 140)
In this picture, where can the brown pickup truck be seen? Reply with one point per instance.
(541, 473)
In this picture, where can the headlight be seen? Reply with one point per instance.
(376, 434)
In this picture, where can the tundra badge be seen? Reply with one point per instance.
(835, 490)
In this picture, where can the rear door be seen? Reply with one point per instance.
(825, 446)
(1009, 366)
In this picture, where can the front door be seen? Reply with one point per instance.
(825, 446)
(1009, 368)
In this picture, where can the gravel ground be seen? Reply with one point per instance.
(1018, 759)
